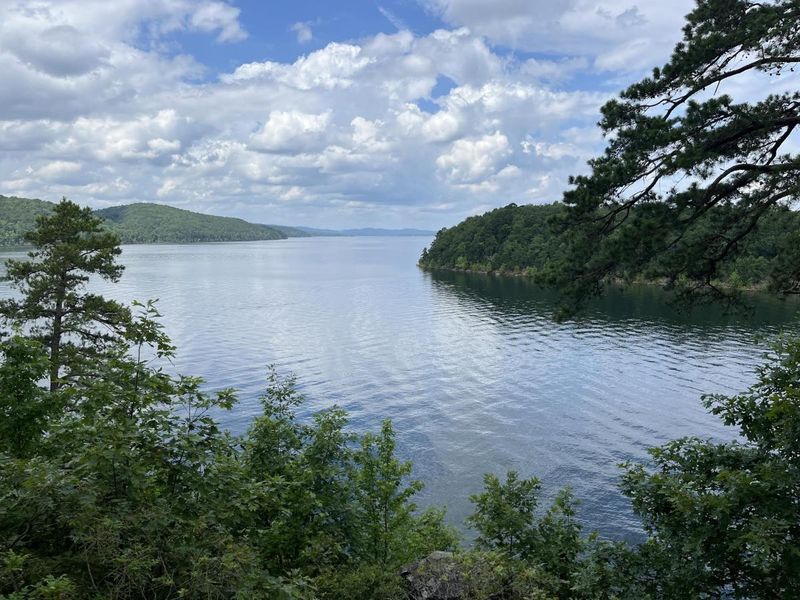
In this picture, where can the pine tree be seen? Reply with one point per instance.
(70, 245)
(688, 173)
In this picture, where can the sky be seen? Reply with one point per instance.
(354, 113)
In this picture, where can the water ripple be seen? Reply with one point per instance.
(473, 370)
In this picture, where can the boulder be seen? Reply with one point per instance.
(438, 576)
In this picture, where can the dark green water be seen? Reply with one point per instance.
(472, 369)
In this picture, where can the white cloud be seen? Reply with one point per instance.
(601, 29)
(218, 17)
(140, 137)
(442, 126)
(68, 58)
(57, 169)
(59, 51)
(470, 160)
(333, 66)
(423, 129)
(623, 56)
(368, 136)
(554, 71)
(290, 131)
(303, 31)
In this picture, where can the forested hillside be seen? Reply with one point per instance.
(141, 223)
(146, 223)
(288, 231)
(511, 238)
(526, 239)
(18, 215)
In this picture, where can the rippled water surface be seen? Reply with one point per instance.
(473, 371)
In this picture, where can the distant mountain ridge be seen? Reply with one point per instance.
(148, 223)
(288, 231)
(365, 232)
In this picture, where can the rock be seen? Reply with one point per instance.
(435, 577)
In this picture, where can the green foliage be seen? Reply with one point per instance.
(146, 223)
(18, 216)
(70, 246)
(307, 518)
(725, 516)
(145, 494)
(382, 498)
(504, 514)
(689, 177)
(544, 554)
(290, 232)
(142, 223)
(13, 576)
(363, 582)
(513, 237)
(24, 407)
(528, 241)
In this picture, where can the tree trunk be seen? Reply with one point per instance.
(55, 345)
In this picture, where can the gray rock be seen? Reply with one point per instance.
(436, 577)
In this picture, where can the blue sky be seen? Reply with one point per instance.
(399, 113)
(271, 37)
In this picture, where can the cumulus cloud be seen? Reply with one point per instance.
(60, 51)
(333, 66)
(471, 160)
(290, 131)
(616, 34)
(57, 169)
(68, 58)
(442, 126)
(392, 129)
(145, 137)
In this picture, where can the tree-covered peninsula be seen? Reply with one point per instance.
(512, 239)
(532, 240)
(693, 188)
(145, 223)
(693, 179)
(141, 223)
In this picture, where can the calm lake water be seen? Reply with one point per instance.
(473, 371)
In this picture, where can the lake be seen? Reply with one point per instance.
(473, 371)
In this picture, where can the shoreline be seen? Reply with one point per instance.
(523, 274)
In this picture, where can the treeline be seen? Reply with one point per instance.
(528, 239)
(18, 216)
(514, 239)
(145, 223)
(140, 223)
(116, 481)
